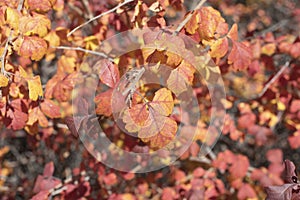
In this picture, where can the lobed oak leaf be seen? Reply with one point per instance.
(33, 47)
(36, 24)
(12, 17)
(35, 88)
(240, 56)
(3, 80)
(107, 72)
(50, 109)
(40, 5)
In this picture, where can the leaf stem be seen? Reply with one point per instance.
(99, 16)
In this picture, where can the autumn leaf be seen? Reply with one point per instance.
(104, 104)
(218, 48)
(35, 24)
(181, 77)
(209, 22)
(36, 115)
(239, 167)
(193, 24)
(33, 47)
(40, 5)
(164, 136)
(240, 56)
(108, 72)
(50, 109)
(16, 115)
(163, 102)
(35, 88)
(12, 17)
(3, 80)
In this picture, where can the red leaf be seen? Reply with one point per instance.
(246, 192)
(107, 72)
(49, 169)
(239, 167)
(294, 140)
(289, 175)
(50, 109)
(275, 156)
(240, 56)
(16, 116)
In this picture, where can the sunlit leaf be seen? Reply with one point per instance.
(32, 47)
(40, 5)
(240, 56)
(12, 17)
(35, 24)
(35, 88)
(3, 80)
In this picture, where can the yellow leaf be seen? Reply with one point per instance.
(35, 88)
(12, 18)
(3, 80)
(37, 24)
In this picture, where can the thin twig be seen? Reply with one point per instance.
(188, 17)
(99, 16)
(273, 79)
(272, 28)
(89, 13)
(8, 42)
(84, 50)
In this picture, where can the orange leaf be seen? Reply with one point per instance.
(240, 56)
(3, 80)
(193, 24)
(33, 47)
(40, 5)
(218, 47)
(233, 33)
(210, 20)
(35, 115)
(164, 136)
(180, 77)
(103, 101)
(239, 167)
(50, 109)
(35, 88)
(60, 86)
(163, 102)
(37, 24)
(108, 72)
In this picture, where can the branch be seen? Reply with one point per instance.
(188, 17)
(99, 16)
(8, 42)
(84, 50)
(273, 79)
